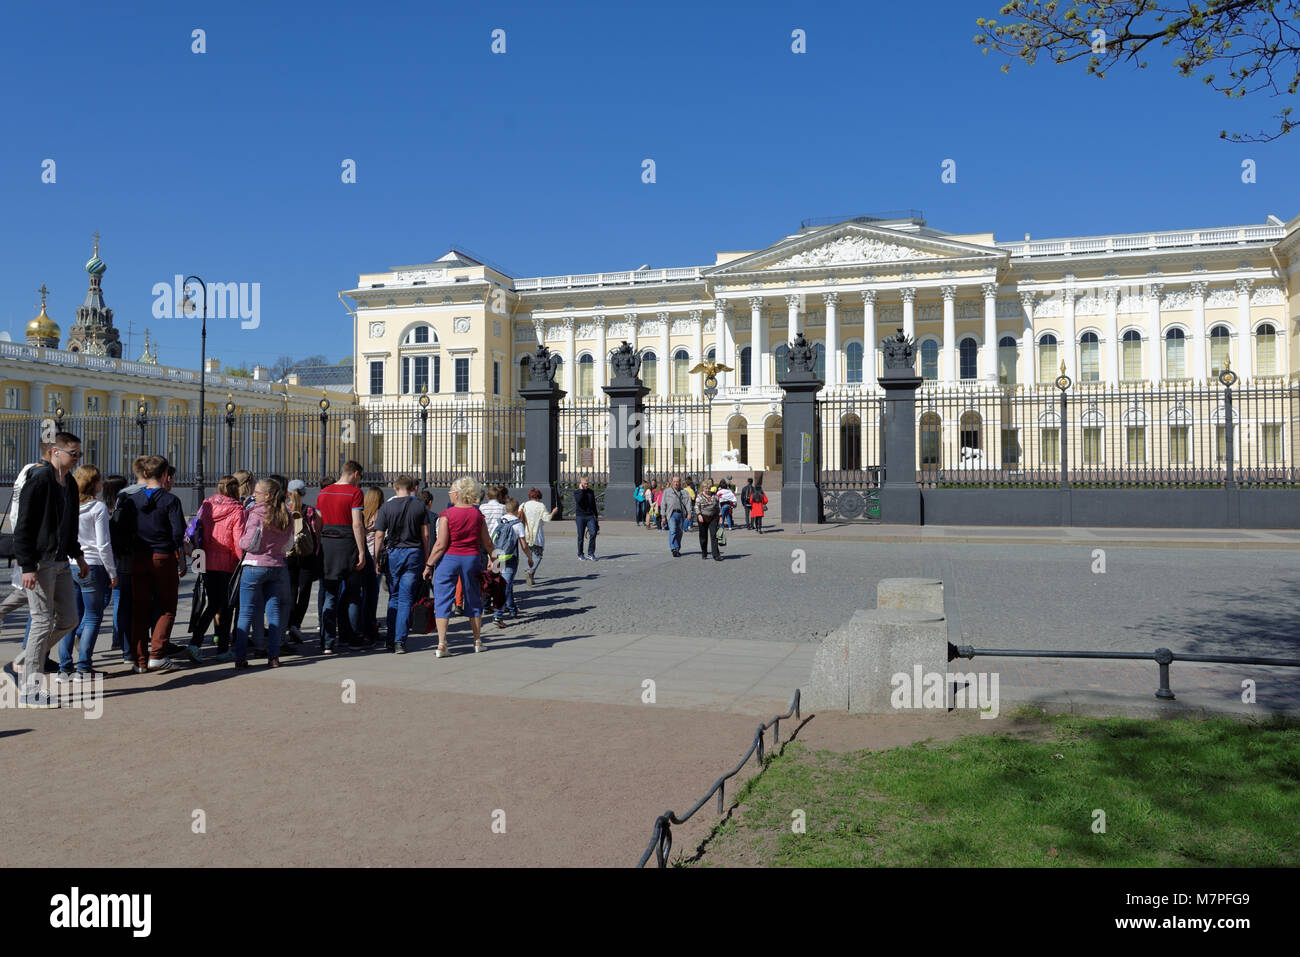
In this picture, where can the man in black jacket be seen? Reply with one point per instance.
(584, 513)
(746, 494)
(45, 537)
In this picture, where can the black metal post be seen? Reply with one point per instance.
(324, 419)
(1229, 430)
(142, 420)
(627, 432)
(542, 425)
(203, 371)
(900, 496)
(424, 441)
(1063, 383)
(230, 432)
(800, 495)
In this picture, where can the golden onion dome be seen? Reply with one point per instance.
(43, 326)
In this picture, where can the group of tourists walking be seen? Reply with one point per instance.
(84, 541)
(681, 503)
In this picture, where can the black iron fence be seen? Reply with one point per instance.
(1137, 436)
(849, 452)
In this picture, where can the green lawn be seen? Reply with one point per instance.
(1174, 793)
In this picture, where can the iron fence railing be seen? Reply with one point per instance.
(661, 840)
(1163, 657)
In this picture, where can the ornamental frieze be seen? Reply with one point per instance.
(853, 249)
(1266, 296)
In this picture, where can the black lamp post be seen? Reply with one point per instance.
(58, 419)
(424, 438)
(324, 418)
(230, 430)
(1063, 383)
(188, 307)
(141, 419)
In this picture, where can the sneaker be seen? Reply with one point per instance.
(676, 553)
(581, 557)
(332, 648)
(161, 664)
(12, 674)
(591, 558)
(399, 648)
(38, 699)
(273, 662)
(90, 675)
(392, 646)
(241, 664)
(138, 670)
(63, 677)
(193, 652)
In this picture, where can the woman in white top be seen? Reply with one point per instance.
(533, 513)
(95, 589)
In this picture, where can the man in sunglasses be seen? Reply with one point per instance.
(45, 538)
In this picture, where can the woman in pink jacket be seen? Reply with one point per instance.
(264, 580)
(221, 518)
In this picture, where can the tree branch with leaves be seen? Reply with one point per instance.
(1254, 45)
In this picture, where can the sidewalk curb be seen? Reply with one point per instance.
(1106, 704)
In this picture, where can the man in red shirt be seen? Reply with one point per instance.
(343, 556)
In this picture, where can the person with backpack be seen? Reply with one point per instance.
(18, 597)
(45, 539)
(219, 525)
(372, 502)
(757, 501)
(510, 537)
(638, 496)
(153, 519)
(343, 558)
(402, 537)
(304, 557)
(746, 494)
(122, 547)
(727, 499)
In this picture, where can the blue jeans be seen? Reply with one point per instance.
(587, 523)
(92, 598)
(508, 571)
(404, 568)
(122, 614)
(451, 567)
(537, 557)
(345, 592)
(676, 524)
(262, 588)
(726, 516)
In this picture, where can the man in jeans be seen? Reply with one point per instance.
(343, 558)
(45, 537)
(402, 526)
(675, 508)
(584, 513)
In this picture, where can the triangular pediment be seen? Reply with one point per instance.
(855, 244)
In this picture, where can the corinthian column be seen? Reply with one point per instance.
(1112, 336)
(792, 316)
(1156, 350)
(1067, 350)
(990, 358)
(832, 339)
(1245, 354)
(666, 363)
(697, 332)
(601, 355)
(909, 314)
(1197, 371)
(869, 334)
(757, 367)
(570, 352)
(949, 373)
(725, 341)
(1028, 354)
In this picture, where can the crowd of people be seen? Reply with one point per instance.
(682, 503)
(84, 541)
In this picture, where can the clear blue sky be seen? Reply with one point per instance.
(227, 164)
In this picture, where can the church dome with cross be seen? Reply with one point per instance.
(43, 331)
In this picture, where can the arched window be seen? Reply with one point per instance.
(779, 357)
(711, 355)
(746, 366)
(1089, 358)
(930, 445)
(850, 442)
(967, 350)
(1047, 358)
(1131, 357)
(1266, 350)
(972, 430)
(930, 360)
(854, 356)
(1007, 360)
(1220, 339)
(681, 372)
(419, 336)
(1175, 354)
(649, 370)
(586, 375)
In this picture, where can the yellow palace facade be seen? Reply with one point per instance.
(1159, 311)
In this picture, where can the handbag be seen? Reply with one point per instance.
(722, 536)
(232, 594)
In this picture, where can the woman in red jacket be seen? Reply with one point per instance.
(222, 519)
(757, 500)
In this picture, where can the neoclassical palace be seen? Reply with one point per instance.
(1165, 308)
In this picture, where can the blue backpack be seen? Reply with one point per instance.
(506, 537)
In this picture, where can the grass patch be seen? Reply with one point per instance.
(1175, 793)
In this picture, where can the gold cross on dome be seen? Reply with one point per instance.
(44, 292)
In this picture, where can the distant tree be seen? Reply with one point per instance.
(1256, 41)
(345, 361)
(281, 366)
(243, 372)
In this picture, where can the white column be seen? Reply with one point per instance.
(1157, 348)
(1197, 371)
(757, 367)
(909, 315)
(36, 396)
(726, 342)
(1068, 347)
(666, 363)
(78, 404)
(697, 333)
(948, 369)
(990, 359)
(792, 317)
(570, 358)
(539, 327)
(869, 334)
(601, 355)
(1028, 348)
(1245, 365)
(832, 339)
(1112, 336)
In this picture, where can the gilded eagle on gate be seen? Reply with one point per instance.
(710, 369)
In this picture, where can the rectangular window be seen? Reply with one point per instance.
(1220, 443)
(377, 377)
(1047, 362)
(1266, 353)
(1132, 359)
(462, 375)
(854, 366)
(1010, 448)
(1137, 445)
(1179, 446)
(1049, 448)
(437, 374)
(1218, 353)
(1175, 364)
(420, 375)
(930, 364)
(462, 450)
(679, 451)
(1092, 446)
(417, 452)
(92, 405)
(586, 456)
(1090, 362)
(13, 396)
(586, 378)
(1270, 436)
(650, 368)
(1006, 365)
(496, 377)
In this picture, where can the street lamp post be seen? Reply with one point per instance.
(230, 430)
(58, 419)
(188, 307)
(424, 439)
(141, 419)
(324, 418)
